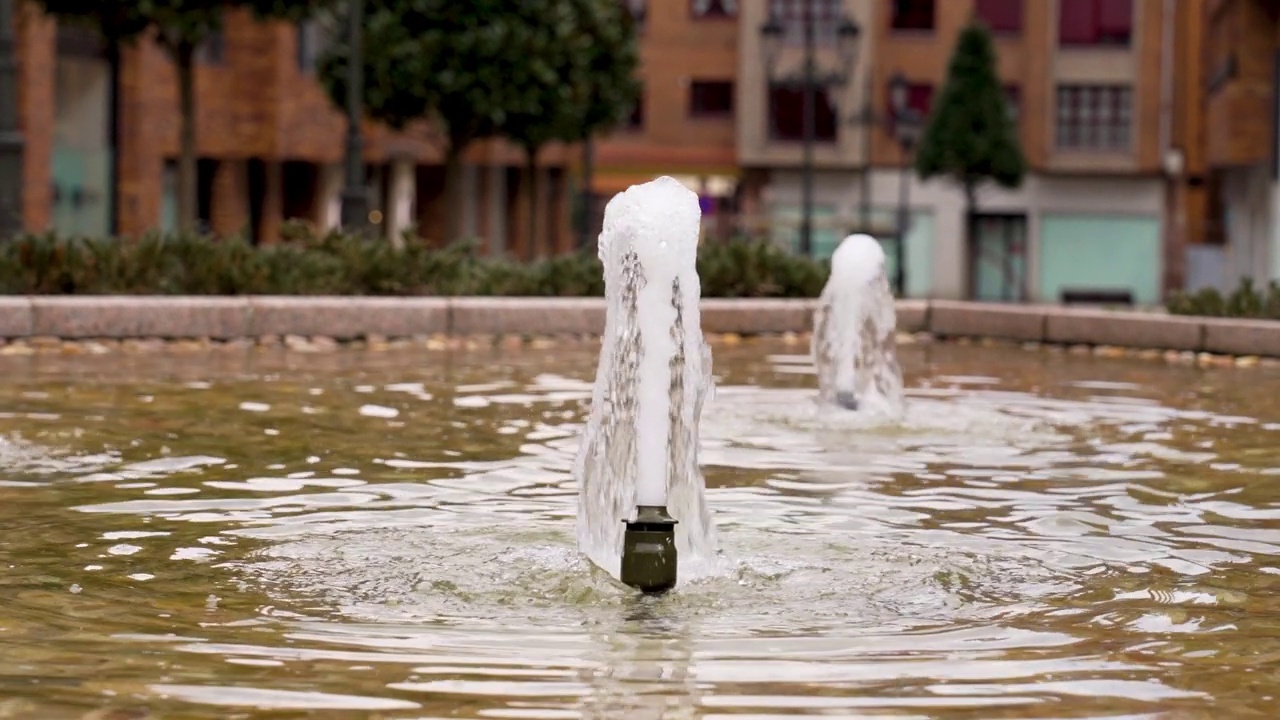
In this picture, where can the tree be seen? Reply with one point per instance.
(581, 80)
(482, 69)
(180, 26)
(970, 137)
(439, 59)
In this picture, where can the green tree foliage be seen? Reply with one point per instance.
(580, 79)
(537, 71)
(180, 26)
(439, 59)
(970, 137)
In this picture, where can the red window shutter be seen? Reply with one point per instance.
(920, 98)
(1115, 20)
(1000, 15)
(1078, 20)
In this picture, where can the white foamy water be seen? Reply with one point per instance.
(853, 340)
(640, 445)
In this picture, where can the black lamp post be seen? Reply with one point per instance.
(906, 126)
(355, 193)
(11, 144)
(809, 79)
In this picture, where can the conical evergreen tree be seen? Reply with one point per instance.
(970, 137)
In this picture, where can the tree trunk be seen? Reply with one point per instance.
(184, 56)
(453, 191)
(531, 184)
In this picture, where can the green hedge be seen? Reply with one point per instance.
(337, 264)
(1245, 301)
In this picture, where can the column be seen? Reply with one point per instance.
(468, 226)
(140, 189)
(272, 203)
(401, 194)
(497, 209)
(35, 51)
(542, 242)
(230, 206)
(565, 236)
(329, 203)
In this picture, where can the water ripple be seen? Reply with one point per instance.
(1036, 538)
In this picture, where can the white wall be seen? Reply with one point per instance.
(403, 193)
(1039, 194)
(330, 204)
(1274, 251)
(1247, 195)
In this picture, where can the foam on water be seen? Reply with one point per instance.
(640, 445)
(854, 325)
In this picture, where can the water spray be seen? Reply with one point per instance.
(641, 496)
(853, 332)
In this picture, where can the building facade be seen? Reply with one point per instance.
(684, 124)
(1093, 88)
(101, 136)
(1243, 69)
(1147, 125)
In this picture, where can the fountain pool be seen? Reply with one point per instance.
(259, 534)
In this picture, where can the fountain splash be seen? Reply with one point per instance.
(853, 347)
(640, 445)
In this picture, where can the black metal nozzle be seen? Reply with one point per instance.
(649, 550)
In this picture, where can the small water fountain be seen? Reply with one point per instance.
(642, 500)
(854, 349)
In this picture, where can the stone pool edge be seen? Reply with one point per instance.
(350, 318)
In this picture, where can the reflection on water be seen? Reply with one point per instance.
(390, 535)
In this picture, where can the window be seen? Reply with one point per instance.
(912, 14)
(1094, 117)
(826, 18)
(786, 114)
(714, 8)
(710, 98)
(1002, 16)
(1095, 22)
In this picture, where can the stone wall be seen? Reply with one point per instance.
(342, 318)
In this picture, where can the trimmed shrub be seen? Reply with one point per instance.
(1245, 301)
(338, 264)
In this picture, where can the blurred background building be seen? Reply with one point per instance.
(1149, 127)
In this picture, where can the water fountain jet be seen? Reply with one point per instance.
(854, 350)
(641, 494)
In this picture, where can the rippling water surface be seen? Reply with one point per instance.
(390, 535)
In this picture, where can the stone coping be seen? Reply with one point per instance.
(218, 317)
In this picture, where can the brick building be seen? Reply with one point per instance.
(102, 140)
(684, 125)
(1241, 81)
(1109, 97)
(1107, 121)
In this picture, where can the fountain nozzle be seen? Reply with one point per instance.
(649, 550)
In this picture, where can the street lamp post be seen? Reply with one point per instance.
(809, 79)
(11, 145)
(906, 124)
(810, 129)
(355, 194)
